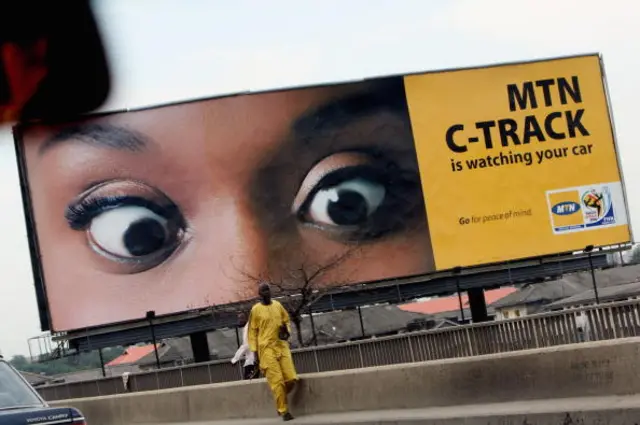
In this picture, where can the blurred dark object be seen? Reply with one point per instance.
(251, 372)
(283, 333)
(420, 325)
(52, 60)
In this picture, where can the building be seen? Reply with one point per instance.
(533, 298)
(538, 297)
(623, 292)
(131, 355)
(143, 357)
(448, 308)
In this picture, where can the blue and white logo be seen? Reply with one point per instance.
(565, 208)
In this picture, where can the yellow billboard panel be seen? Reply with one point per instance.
(517, 160)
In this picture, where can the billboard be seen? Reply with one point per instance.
(187, 205)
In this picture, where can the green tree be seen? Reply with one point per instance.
(81, 361)
(19, 361)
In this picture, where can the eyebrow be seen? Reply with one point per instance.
(100, 135)
(383, 95)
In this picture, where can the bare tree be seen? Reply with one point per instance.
(300, 286)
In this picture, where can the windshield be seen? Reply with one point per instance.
(14, 391)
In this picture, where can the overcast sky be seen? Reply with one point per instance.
(168, 50)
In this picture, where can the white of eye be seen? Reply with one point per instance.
(109, 228)
(372, 193)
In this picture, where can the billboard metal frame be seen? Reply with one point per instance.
(607, 94)
(392, 293)
(42, 300)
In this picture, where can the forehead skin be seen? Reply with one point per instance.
(203, 156)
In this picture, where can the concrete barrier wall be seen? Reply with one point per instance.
(589, 369)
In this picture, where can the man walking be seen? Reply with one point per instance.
(269, 332)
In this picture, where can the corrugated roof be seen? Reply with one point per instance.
(570, 285)
(540, 293)
(607, 277)
(132, 355)
(609, 293)
(451, 303)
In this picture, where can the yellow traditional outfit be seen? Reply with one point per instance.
(274, 355)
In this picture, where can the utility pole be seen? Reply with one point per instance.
(456, 272)
(589, 250)
(150, 316)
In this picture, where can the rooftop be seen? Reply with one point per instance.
(439, 305)
(132, 355)
(569, 286)
(609, 293)
(540, 293)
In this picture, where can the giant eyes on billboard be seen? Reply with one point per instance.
(185, 206)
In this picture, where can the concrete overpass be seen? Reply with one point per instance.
(585, 383)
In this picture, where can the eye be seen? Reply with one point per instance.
(130, 232)
(349, 203)
(140, 230)
(350, 199)
(358, 202)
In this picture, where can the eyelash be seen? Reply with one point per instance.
(340, 175)
(80, 215)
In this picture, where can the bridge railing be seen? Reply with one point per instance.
(606, 321)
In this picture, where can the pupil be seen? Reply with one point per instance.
(144, 237)
(350, 208)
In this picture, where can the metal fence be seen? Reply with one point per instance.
(607, 321)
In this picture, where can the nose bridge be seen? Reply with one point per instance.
(241, 242)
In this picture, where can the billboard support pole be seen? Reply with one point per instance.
(457, 271)
(361, 321)
(313, 327)
(589, 250)
(150, 316)
(477, 305)
(104, 372)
